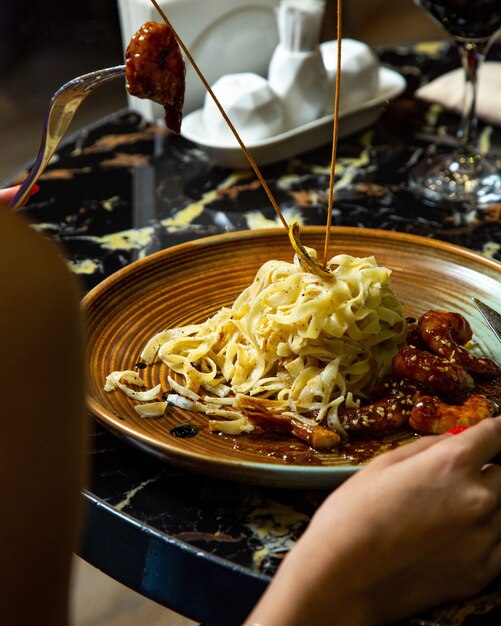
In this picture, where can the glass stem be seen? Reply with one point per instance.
(472, 54)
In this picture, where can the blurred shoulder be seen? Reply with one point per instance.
(32, 268)
(39, 299)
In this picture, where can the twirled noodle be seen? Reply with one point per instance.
(301, 343)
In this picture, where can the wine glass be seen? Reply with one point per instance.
(465, 176)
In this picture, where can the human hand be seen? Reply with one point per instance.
(419, 526)
(7, 194)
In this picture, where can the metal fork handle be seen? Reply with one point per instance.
(63, 106)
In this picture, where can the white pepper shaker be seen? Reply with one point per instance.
(297, 72)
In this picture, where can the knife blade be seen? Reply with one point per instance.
(492, 317)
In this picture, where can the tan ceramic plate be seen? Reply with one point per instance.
(191, 281)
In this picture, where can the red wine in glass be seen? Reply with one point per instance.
(469, 20)
(466, 176)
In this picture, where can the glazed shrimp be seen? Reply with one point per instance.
(315, 435)
(434, 372)
(445, 333)
(432, 416)
(392, 411)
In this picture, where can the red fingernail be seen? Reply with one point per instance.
(35, 189)
(456, 430)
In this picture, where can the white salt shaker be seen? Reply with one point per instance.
(297, 72)
(359, 72)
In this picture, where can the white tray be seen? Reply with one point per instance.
(298, 140)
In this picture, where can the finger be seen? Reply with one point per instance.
(483, 441)
(408, 450)
(7, 194)
(495, 525)
(493, 566)
(491, 477)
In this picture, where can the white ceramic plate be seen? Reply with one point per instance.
(302, 139)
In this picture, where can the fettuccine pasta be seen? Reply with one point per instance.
(300, 343)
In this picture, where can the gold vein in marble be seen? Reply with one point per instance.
(274, 525)
(45, 226)
(133, 492)
(110, 203)
(184, 217)
(349, 167)
(64, 174)
(490, 249)
(256, 220)
(85, 266)
(433, 49)
(132, 239)
(346, 167)
(112, 142)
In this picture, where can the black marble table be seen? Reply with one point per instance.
(121, 189)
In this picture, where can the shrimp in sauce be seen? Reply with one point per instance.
(434, 387)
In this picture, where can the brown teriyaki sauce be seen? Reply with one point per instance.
(357, 451)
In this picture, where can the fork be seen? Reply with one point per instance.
(492, 317)
(62, 107)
